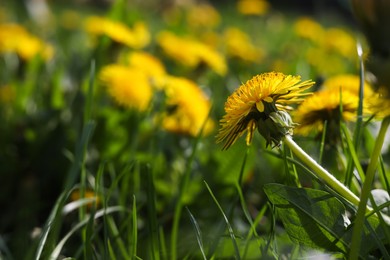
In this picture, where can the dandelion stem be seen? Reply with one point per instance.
(323, 174)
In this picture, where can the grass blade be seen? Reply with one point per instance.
(56, 252)
(198, 233)
(230, 229)
(135, 229)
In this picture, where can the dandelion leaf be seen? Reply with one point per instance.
(312, 218)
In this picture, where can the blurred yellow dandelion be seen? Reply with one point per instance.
(262, 103)
(145, 62)
(188, 106)
(239, 45)
(308, 28)
(347, 82)
(137, 37)
(330, 105)
(191, 53)
(15, 38)
(128, 86)
(340, 41)
(253, 7)
(203, 15)
(379, 104)
(7, 94)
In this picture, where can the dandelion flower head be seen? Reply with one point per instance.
(349, 82)
(253, 7)
(191, 53)
(262, 102)
(137, 37)
(203, 15)
(128, 86)
(308, 28)
(15, 38)
(329, 105)
(188, 106)
(145, 62)
(239, 45)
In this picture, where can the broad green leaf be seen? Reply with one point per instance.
(311, 217)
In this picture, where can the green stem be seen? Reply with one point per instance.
(366, 190)
(323, 174)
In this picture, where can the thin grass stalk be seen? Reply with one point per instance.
(152, 214)
(322, 144)
(353, 153)
(57, 250)
(134, 237)
(252, 230)
(179, 201)
(83, 172)
(230, 229)
(359, 122)
(198, 233)
(366, 190)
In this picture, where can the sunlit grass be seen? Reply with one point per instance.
(91, 170)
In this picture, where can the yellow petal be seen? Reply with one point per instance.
(260, 106)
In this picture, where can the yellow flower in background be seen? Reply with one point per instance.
(308, 28)
(203, 15)
(128, 86)
(16, 39)
(347, 82)
(145, 62)
(379, 103)
(137, 37)
(340, 41)
(325, 62)
(191, 53)
(7, 94)
(70, 19)
(326, 105)
(239, 45)
(188, 106)
(262, 103)
(88, 194)
(253, 7)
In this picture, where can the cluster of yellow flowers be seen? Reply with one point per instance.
(133, 83)
(327, 47)
(15, 38)
(137, 38)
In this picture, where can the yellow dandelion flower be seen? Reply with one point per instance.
(310, 29)
(88, 194)
(348, 82)
(191, 53)
(145, 62)
(253, 7)
(379, 104)
(188, 106)
(203, 15)
(128, 86)
(7, 94)
(326, 62)
(340, 41)
(239, 45)
(137, 37)
(326, 105)
(70, 19)
(15, 38)
(262, 103)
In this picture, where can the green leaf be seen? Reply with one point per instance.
(313, 218)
